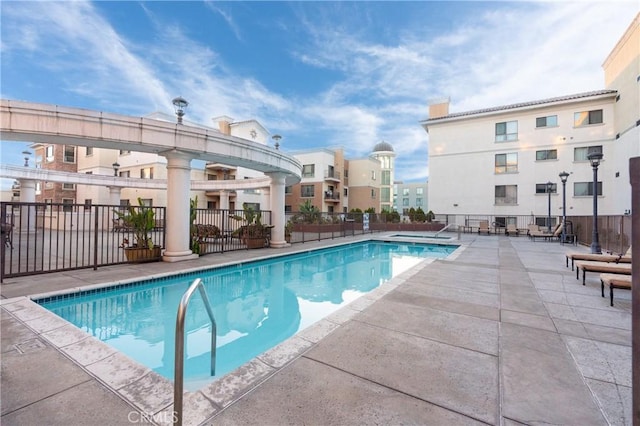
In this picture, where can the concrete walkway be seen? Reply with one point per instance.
(503, 333)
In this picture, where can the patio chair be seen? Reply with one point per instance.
(604, 257)
(545, 234)
(512, 230)
(591, 266)
(532, 228)
(615, 281)
(484, 227)
(7, 234)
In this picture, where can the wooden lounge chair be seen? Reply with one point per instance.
(547, 235)
(484, 227)
(512, 230)
(591, 266)
(604, 257)
(615, 281)
(532, 228)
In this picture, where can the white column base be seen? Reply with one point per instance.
(279, 244)
(178, 256)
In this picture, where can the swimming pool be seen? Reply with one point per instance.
(256, 304)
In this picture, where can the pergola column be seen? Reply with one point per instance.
(114, 195)
(178, 206)
(27, 213)
(224, 199)
(277, 209)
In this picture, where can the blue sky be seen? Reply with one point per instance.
(321, 74)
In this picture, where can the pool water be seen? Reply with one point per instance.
(256, 305)
(429, 236)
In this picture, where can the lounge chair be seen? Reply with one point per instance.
(604, 257)
(615, 281)
(532, 228)
(484, 227)
(547, 235)
(591, 266)
(512, 230)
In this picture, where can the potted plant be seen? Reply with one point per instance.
(253, 233)
(140, 219)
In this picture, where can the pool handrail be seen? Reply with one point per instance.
(444, 229)
(178, 374)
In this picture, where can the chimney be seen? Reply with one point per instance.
(439, 107)
(224, 124)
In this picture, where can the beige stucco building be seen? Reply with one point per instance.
(497, 161)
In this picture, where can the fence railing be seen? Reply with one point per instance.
(614, 232)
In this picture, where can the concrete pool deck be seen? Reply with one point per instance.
(501, 333)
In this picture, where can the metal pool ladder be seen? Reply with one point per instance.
(178, 386)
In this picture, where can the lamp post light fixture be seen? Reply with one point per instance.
(26, 157)
(594, 159)
(180, 104)
(549, 187)
(115, 166)
(277, 139)
(563, 177)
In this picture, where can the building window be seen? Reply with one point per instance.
(585, 118)
(211, 177)
(583, 189)
(419, 191)
(211, 205)
(88, 151)
(373, 175)
(507, 131)
(48, 153)
(547, 154)
(146, 173)
(67, 204)
(542, 221)
(385, 195)
(288, 209)
(69, 154)
(126, 173)
(405, 192)
(308, 170)
(124, 152)
(386, 177)
(541, 188)
(48, 185)
(288, 189)
(87, 203)
(306, 191)
(549, 121)
(503, 221)
(148, 202)
(506, 163)
(405, 202)
(346, 192)
(68, 186)
(506, 194)
(418, 202)
(580, 154)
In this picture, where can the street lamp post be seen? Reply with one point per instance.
(549, 186)
(563, 177)
(26, 157)
(180, 104)
(595, 158)
(276, 138)
(115, 166)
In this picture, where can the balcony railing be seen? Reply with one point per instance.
(332, 175)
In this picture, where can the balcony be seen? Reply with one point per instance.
(332, 175)
(331, 197)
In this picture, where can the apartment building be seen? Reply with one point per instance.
(324, 181)
(505, 161)
(334, 184)
(410, 195)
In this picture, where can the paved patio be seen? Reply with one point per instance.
(502, 333)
